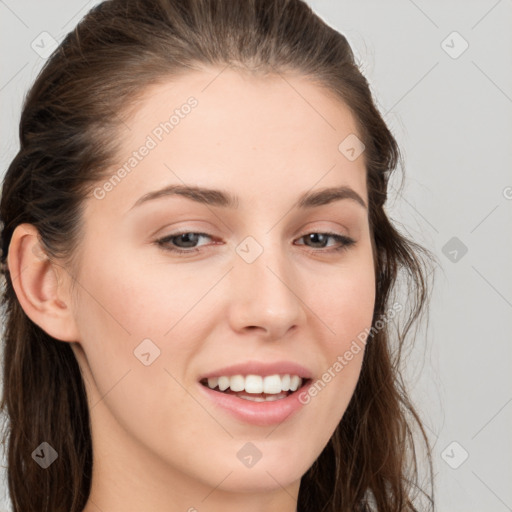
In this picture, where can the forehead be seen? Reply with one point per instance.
(272, 109)
(251, 134)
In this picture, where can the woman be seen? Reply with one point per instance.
(200, 271)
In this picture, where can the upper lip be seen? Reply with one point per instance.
(260, 368)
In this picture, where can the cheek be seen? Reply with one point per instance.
(129, 300)
(131, 307)
(344, 300)
(347, 304)
(119, 311)
(125, 312)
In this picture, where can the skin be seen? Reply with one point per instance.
(158, 443)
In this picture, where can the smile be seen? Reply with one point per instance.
(256, 388)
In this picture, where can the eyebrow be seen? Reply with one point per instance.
(220, 198)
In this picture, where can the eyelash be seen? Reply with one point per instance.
(164, 243)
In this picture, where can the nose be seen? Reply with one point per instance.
(265, 295)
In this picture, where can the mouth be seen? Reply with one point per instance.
(257, 388)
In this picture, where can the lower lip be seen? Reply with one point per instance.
(258, 413)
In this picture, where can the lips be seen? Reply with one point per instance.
(257, 393)
(261, 369)
(255, 380)
(258, 409)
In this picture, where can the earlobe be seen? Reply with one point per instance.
(39, 285)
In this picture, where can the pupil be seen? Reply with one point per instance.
(183, 238)
(312, 237)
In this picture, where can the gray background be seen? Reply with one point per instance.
(451, 112)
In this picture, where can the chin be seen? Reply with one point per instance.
(266, 479)
(271, 472)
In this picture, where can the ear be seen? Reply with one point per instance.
(42, 287)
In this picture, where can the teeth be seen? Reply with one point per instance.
(256, 384)
(261, 399)
(272, 384)
(253, 384)
(237, 383)
(223, 383)
(255, 398)
(295, 383)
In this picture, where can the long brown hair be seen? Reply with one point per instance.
(68, 132)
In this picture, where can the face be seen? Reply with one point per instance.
(252, 279)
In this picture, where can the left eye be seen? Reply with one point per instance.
(189, 239)
(320, 238)
(186, 242)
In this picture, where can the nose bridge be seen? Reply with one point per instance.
(264, 283)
